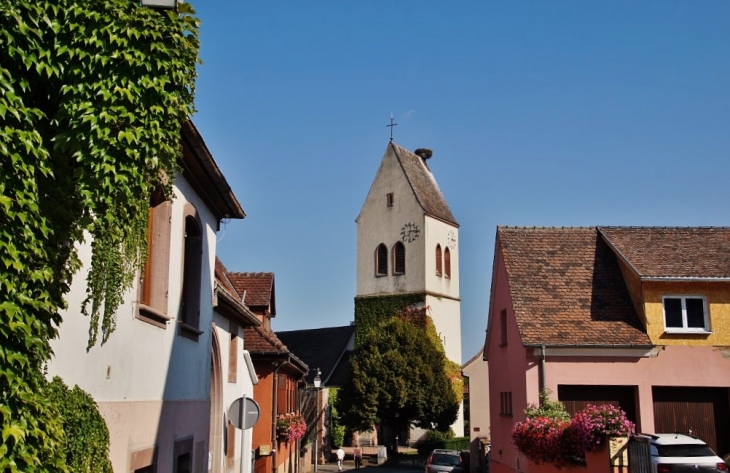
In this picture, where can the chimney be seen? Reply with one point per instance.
(424, 153)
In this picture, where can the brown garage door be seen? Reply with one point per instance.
(703, 411)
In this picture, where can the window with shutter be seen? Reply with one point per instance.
(439, 261)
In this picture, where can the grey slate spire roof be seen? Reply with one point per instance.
(424, 185)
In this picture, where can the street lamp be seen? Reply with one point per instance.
(317, 385)
(161, 4)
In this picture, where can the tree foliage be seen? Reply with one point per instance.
(92, 97)
(398, 377)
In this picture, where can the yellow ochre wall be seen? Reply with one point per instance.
(717, 295)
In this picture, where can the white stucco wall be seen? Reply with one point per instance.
(378, 223)
(144, 372)
(232, 391)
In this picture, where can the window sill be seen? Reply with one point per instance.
(188, 331)
(398, 274)
(701, 333)
(152, 316)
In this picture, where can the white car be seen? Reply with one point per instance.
(679, 453)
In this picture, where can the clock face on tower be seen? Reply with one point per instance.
(451, 238)
(409, 232)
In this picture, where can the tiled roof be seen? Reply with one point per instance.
(261, 342)
(258, 340)
(673, 252)
(319, 348)
(221, 276)
(567, 288)
(424, 185)
(258, 287)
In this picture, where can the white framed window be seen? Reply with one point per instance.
(686, 314)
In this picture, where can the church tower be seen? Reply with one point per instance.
(407, 249)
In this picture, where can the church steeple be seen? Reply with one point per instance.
(407, 253)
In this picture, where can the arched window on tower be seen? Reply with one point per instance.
(381, 260)
(439, 262)
(447, 262)
(399, 258)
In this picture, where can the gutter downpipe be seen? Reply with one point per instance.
(542, 382)
(274, 412)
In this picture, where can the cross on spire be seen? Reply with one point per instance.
(392, 124)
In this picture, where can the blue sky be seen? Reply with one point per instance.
(539, 113)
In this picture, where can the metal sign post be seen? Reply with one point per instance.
(243, 414)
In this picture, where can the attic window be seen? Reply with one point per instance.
(685, 314)
(389, 199)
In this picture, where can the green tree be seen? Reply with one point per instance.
(92, 97)
(399, 377)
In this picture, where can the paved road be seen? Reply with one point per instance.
(349, 467)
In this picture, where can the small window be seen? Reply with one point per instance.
(389, 199)
(447, 262)
(399, 258)
(233, 353)
(685, 314)
(381, 260)
(505, 403)
(438, 260)
(183, 456)
(503, 328)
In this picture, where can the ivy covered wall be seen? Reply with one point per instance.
(371, 310)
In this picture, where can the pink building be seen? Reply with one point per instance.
(638, 317)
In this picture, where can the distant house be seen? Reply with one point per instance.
(638, 317)
(233, 375)
(152, 378)
(476, 370)
(327, 353)
(280, 375)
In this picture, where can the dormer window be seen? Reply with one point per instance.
(685, 314)
(389, 199)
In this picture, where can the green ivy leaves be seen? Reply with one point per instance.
(92, 97)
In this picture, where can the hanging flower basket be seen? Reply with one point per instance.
(290, 427)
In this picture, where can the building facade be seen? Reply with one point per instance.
(152, 378)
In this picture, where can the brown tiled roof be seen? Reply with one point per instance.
(567, 288)
(261, 342)
(673, 252)
(424, 185)
(259, 288)
(229, 300)
(221, 277)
